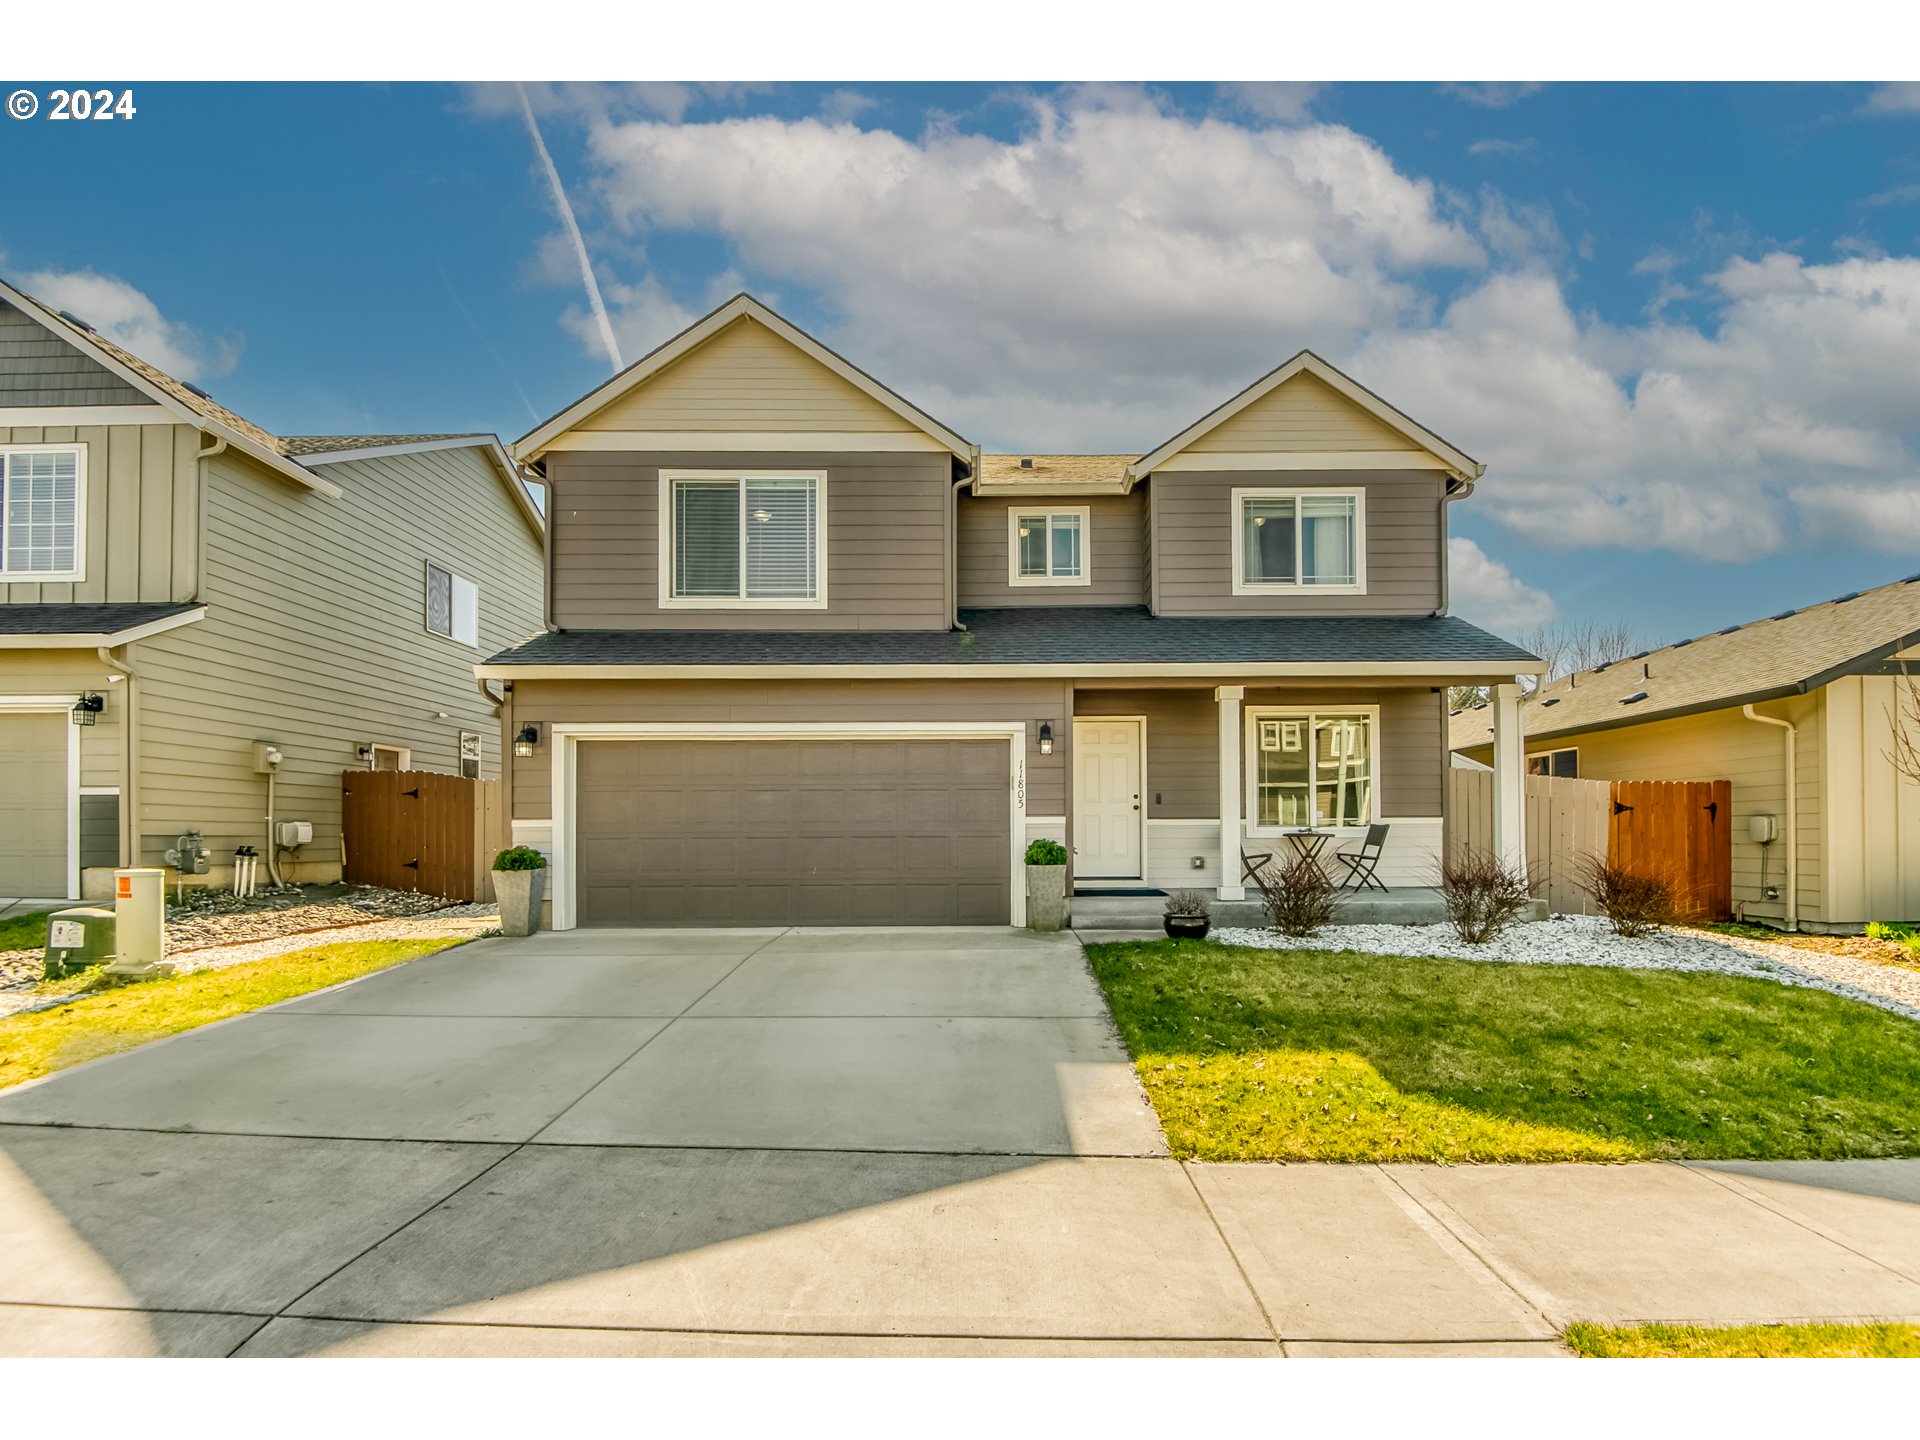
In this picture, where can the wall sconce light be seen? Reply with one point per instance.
(364, 751)
(86, 710)
(1046, 737)
(524, 742)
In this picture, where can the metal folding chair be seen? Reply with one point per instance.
(1363, 863)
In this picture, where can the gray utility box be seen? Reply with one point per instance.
(76, 939)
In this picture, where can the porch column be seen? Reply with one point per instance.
(1230, 697)
(1509, 779)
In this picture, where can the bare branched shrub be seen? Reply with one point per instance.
(1904, 716)
(1298, 895)
(1483, 896)
(1634, 902)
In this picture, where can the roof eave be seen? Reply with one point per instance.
(95, 639)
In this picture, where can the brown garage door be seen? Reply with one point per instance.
(793, 832)
(33, 798)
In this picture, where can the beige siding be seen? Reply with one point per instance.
(1304, 414)
(315, 638)
(1115, 549)
(69, 673)
(886, 539)
(747, 378)
(799, 702)
(1872, 841)
(142, 513)
(1183, 744)
(1193, 542)
(1725, 745)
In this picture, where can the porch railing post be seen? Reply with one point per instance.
(1230, 697)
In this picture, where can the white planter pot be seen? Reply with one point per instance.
(520, 893)
(1046, 897)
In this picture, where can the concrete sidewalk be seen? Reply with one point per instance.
(818, 1143)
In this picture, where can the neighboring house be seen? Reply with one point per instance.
(812, 658)
(1798, 712)
(215, 586)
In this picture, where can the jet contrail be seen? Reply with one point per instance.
(573, 231)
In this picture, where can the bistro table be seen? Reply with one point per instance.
(1309, 843)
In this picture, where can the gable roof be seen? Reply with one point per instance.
(1791, 653)
(742, 306)
(1464, 468)
(1051, 475)
(186, 402)
(343, 449)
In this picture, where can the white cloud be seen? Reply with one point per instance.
(1493, 95)
(1503, 147)
(127, 317)
(1486, 592)
(1286, 101)
(845, 106)
(1902, 97)
(1118, 268)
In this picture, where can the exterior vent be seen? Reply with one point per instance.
(76, 321)
(1026, 462)
(189, 385)
(1634, 699)
(1783, 614)
(1554, 701)
(1844, 598)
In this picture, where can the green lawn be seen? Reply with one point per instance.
(1744, 1342)
(1314, 1055)
(125, 1016)
(24, 930)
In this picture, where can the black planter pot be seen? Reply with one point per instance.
(1186, 927)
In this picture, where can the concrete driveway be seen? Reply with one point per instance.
(817, 1142)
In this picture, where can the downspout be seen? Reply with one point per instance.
(953, 537)
(129, 770)
(1458, 489)
(1793, 837)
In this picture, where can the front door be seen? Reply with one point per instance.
(1106, 799)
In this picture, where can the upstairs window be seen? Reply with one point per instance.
(1297, 540)
(740, 541)
(1047, 547)
(453, 606)
(42, 512)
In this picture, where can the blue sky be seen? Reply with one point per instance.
(1680, 323)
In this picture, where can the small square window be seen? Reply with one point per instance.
(1048, 547)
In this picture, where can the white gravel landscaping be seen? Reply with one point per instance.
(1589, 940)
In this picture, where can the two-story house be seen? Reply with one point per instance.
(178, 586)
(812, 658)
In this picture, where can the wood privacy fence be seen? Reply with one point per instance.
(1679, 829)
(414, 830)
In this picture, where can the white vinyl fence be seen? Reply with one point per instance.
(1566, 820)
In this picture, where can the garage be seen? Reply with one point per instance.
(33, 796)
(791, 831)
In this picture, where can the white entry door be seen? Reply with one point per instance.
(1106, 799)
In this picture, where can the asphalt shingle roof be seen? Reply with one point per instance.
(1780, 655)
(107, 618)
(1053, 469)
(1049, 635)
(325, 444)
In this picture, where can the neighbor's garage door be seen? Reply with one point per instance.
(793, 832)
(33, 798)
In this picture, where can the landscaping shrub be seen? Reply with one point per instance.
(1483, 895)
(520, 857)
(1298, 897)
(1046, 852)
(1634, 902)
(1189, 902)
(1898, 932)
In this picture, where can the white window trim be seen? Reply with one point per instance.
(51, 577)
(404, 752)
(1250, 762)
(1085, 514)
(670, 601)
(1242, 586)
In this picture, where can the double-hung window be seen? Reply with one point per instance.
(742, 541)
(453, 606)
(1311, 769)
(1298, 540)
(43, 506)
(1048, 546)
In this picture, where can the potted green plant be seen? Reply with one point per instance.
(1189, 915)
(520, 885)
(1046, 885)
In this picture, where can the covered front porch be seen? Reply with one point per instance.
(1186, 785)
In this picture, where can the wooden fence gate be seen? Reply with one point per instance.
(1682, 829)
(415, 830)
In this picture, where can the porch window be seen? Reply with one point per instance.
(742, 540)
(1047, 547)
(1294, 539)
(42, 505)
(1312, 769)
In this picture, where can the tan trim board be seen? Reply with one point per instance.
(1304, 460)
(94, 639)
(1328, 669)
(19, 415)
(784, 441)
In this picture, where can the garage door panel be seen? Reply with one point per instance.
(830, 832)
(33, 798)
